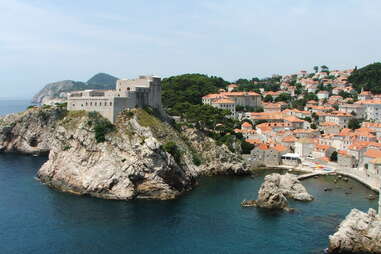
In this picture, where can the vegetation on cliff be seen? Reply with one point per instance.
(367, 78)
(188, 88)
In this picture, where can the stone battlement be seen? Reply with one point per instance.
(129, 93)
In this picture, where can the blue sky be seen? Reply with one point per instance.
(42, 41)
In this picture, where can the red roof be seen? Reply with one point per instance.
(372, 153)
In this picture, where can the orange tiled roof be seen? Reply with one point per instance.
(372, 153)
(328, 124)
(289, 139)
(223, 101)
(280, 148)
(246, 124)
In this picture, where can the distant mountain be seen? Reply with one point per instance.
(103, 79)
(58, 90)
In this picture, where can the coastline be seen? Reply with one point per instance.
(306, 172)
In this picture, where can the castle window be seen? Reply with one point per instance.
(91, 104)
(105, 103)
(73, 105)
(110, 103)
(87, 104)
(95, 103)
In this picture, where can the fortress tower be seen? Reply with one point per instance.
(140, 92)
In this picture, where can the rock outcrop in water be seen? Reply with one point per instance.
(291, 187)
(359, 233)
(139, 157)
(275, 190)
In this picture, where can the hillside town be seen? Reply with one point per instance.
(313, 120)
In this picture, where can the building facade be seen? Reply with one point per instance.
(141, 92)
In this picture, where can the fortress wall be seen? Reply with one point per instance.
(103, 105)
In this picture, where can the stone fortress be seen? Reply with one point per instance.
(140, 92)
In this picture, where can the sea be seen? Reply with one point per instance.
(208, 219)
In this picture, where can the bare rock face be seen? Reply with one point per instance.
(291, 187)
(30, 132)
(139, 157)
(130, 163)
(359, 233)
(270, 195)
(276, 189)
(218, 160)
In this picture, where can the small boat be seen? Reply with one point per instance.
(371, 197)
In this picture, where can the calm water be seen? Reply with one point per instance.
(12, 106)
(36, 219)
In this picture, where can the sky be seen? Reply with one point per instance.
(43, 41)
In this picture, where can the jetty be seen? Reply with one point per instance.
(319, 173)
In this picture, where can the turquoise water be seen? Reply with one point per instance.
(36, 219)
(209, 219)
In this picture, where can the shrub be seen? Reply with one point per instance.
(171, 148)
(333, 156)
(101, 125)
(196, 159)
(246, 147)
(67, 147)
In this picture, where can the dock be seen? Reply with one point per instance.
(319, 173)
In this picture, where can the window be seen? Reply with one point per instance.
(95, 103)
(110, 103)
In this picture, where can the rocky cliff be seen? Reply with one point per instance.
(139, 157)
(30, 132)
(359, 233)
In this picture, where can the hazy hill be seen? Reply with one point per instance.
(59, 90)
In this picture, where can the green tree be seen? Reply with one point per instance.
(246, 147)
(324, 68)
(333, 156)
(367, 78)
(316, 69)
(283, 97)
(268, 98)
(354, 124)
(188, 88)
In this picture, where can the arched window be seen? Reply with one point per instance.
(110, 103)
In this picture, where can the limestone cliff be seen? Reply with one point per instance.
(139, 157)
(217, 160)
(30, 132)
(359, 233)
